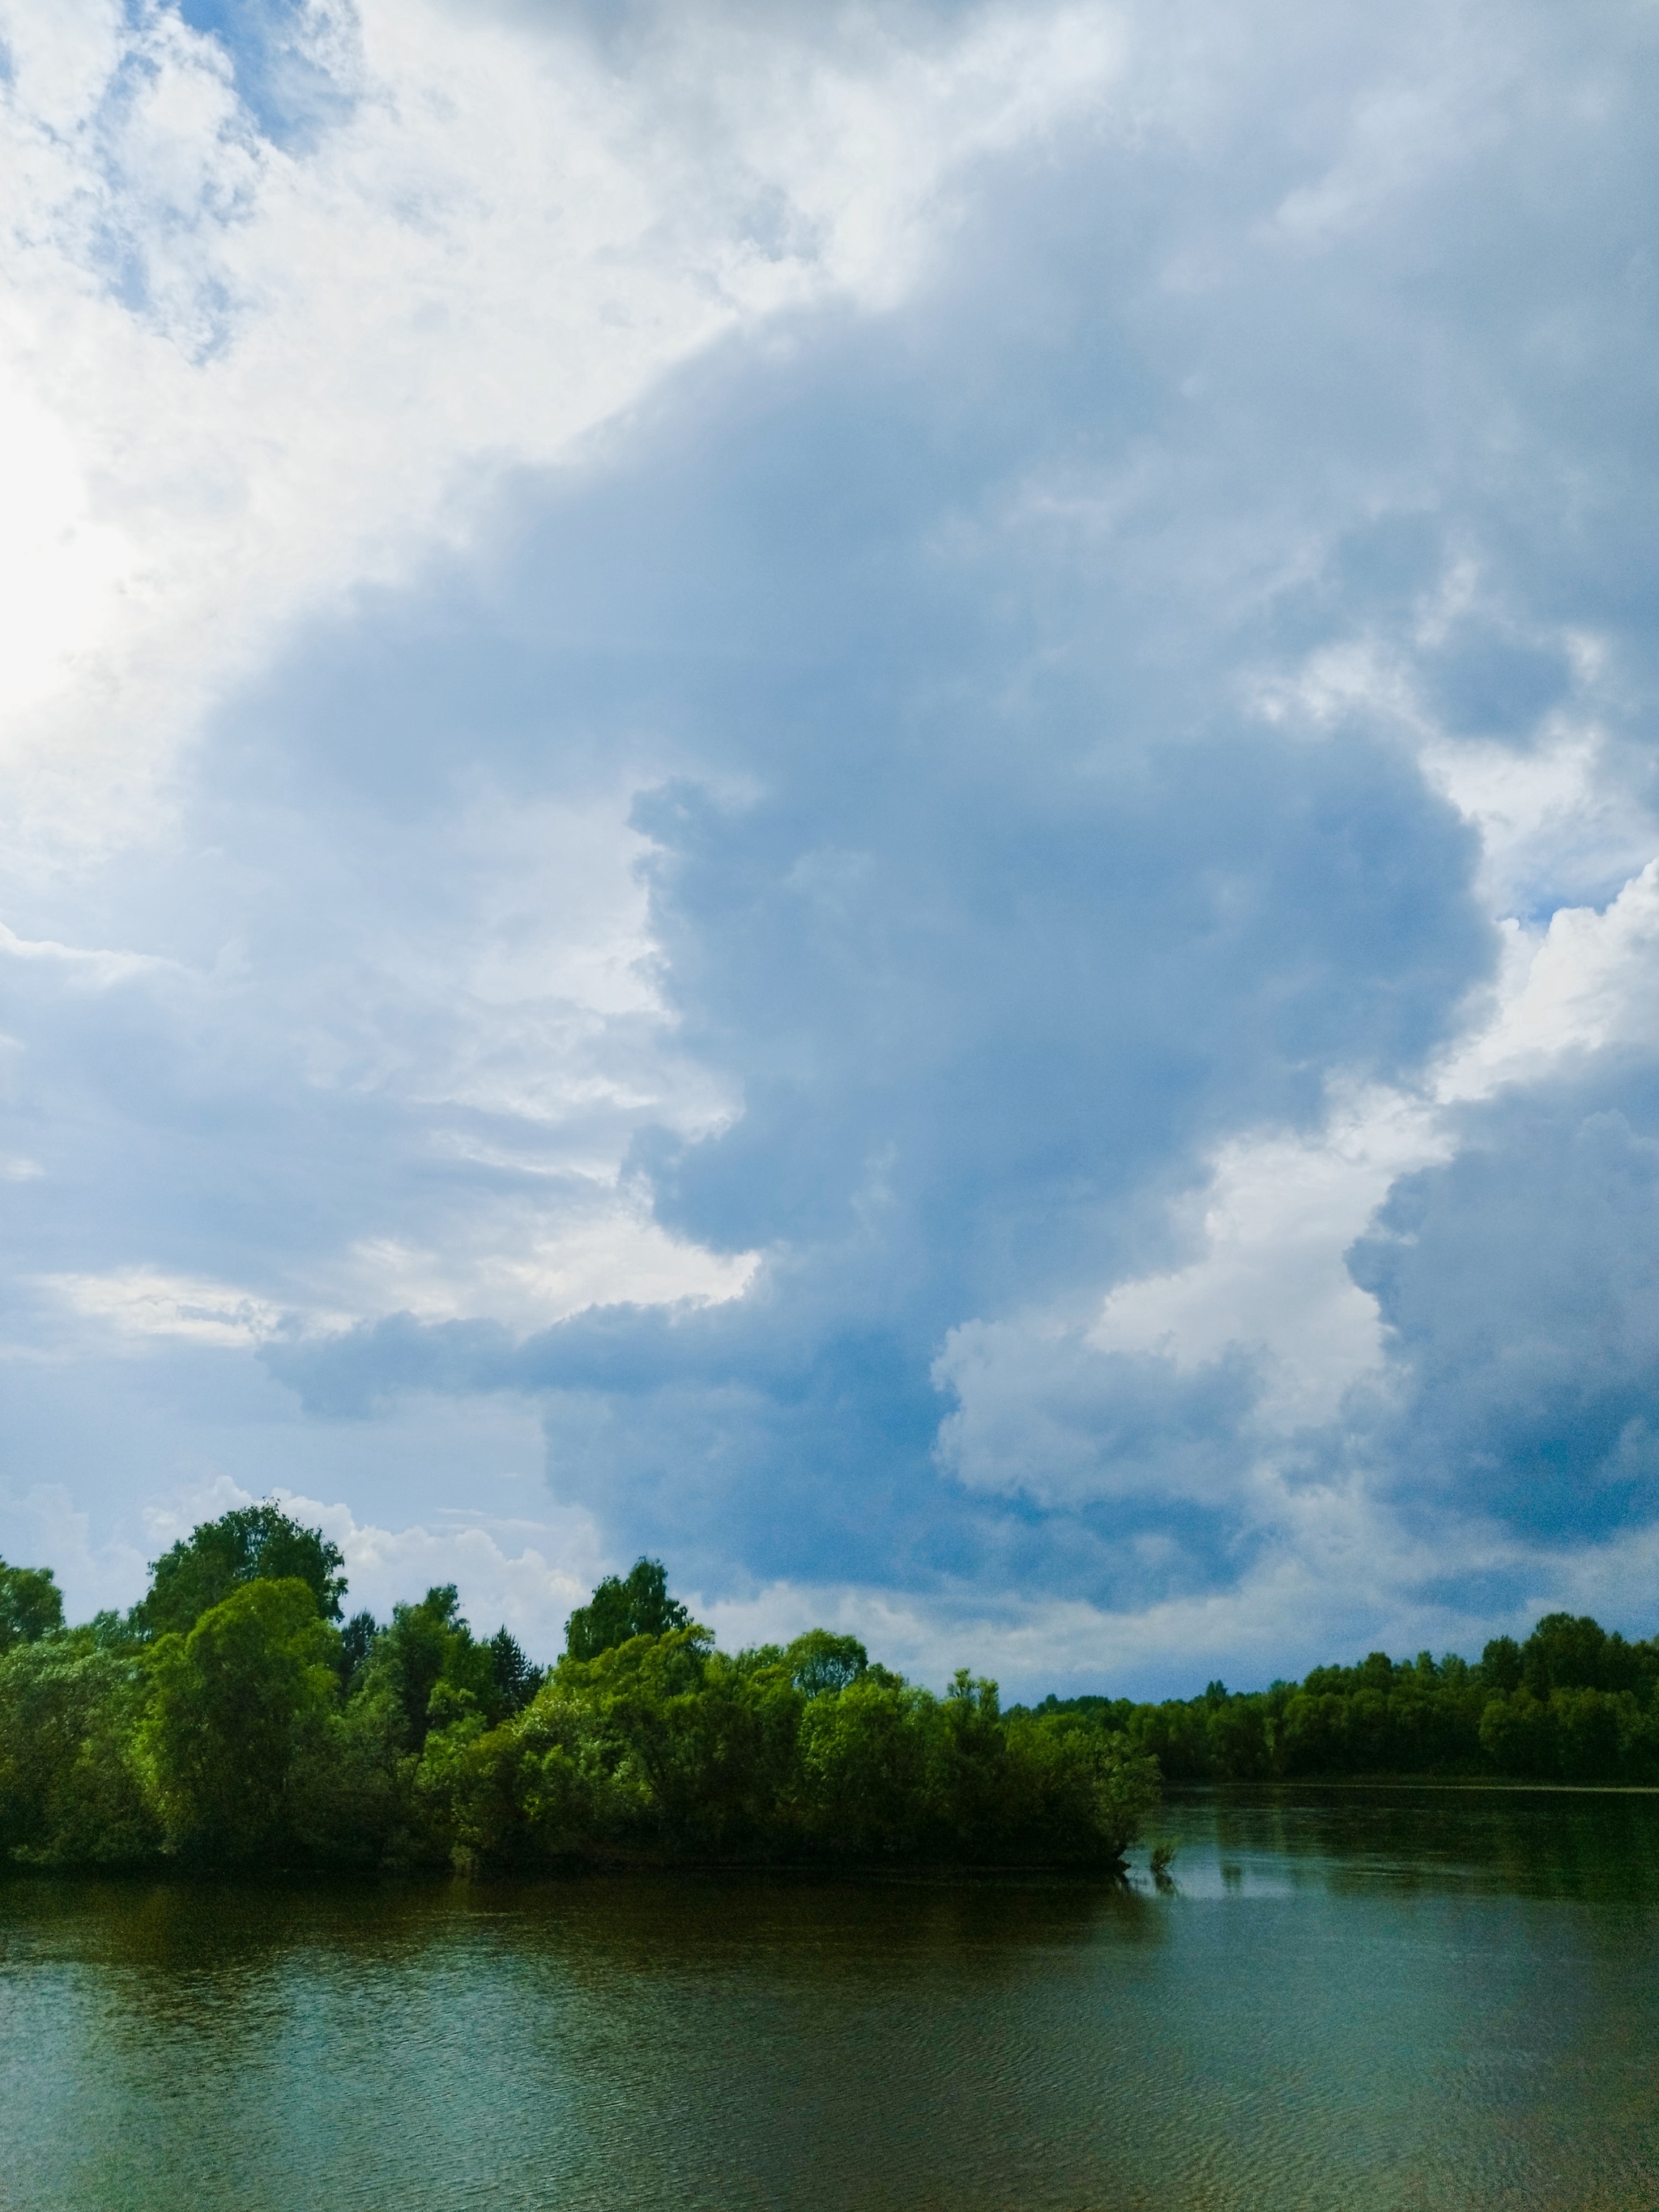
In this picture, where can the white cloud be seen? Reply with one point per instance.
(529, 1573)
(1278, 1214)
(237, 381)
(241, 381)
(1334, 1573)
(1398, 139)
(526, 1272)
(511, 1262)
(1585, 983)
(90, 967)
(143, 1302)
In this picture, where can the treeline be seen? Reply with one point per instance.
(1572, 1704)
(230, 1719)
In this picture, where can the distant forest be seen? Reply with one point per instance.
(1572, 1704)
(233, 1717)
(231, 1720)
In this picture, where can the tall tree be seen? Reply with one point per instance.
(234, 1703)
(516, 1681)
(623, 1609)
(30, 1606)
(254, 1543)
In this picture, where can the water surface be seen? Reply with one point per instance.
(1349, 1998)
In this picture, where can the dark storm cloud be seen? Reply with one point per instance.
(1022, 694)
(1520, 1287)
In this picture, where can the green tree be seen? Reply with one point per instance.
(1078, 1797)
(356, 1642)
(820, 1662)
(1501, 1665)
(236, 1705)
(1517, 1734)
(516, 1681)
(1176, 1734)
(621, 1608)
(30, 1606)
(429, 1664)
(1592, 1730)
(253, 1543)
(263, 1735)
(871, 1761)
(70, 1791)
(1239, 1735)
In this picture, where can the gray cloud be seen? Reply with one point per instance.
(1519, 1286)
(994, 729)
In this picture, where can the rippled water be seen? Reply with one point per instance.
(1410, 1999)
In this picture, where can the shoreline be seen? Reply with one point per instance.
(1413, 1781)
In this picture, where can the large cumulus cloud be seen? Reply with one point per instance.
(988, 919)
(1519, 1285)
(864, 945)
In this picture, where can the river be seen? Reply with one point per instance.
(1346, 1998)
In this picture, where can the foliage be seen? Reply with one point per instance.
(253, 1543)
(71, 1794)
(618, 1610)
(356, 1642)
(516, 1681)
(30, 1606)
(1572, 1704)
(259, 1734)
(663, 1747)
(233, 1706)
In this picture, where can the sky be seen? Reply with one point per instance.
(864, 794)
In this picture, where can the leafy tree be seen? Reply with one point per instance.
(516, 1681)
(263, 1734)
(253, 1543)
(1239, 1744)
(70, 1791)
(820, 1662)
(870, 1757)
(429, 1665)
(234, 1703)
(30, 1606)
(1080, 1799)
(1593, 1730)
(352, 1799)
(619, 1609)
(1500, 1665)
(356, 1642)
(1569, 1653)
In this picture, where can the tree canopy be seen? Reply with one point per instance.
(30, 1605)
(253, 1543)
(228, 1722)
(1573, 1703)
(619, 1608)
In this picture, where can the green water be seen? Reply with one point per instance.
(1406, 1999)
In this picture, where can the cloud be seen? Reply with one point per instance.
(88, 965)
(825, 740)
(1044, 1416)
(981, 982)
(247, 375)
(1277, 1216)
(1520, 1288)
(140, 1302)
